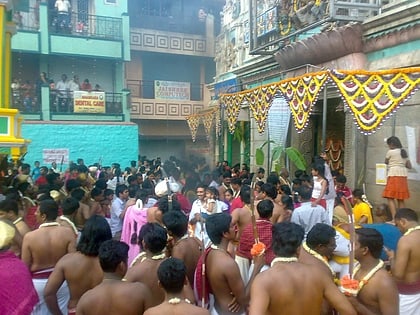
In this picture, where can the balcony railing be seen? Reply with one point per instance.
(86, 25)
(271, 26)
(28, 21)
(146, 89)
(28, 101)
(187, 24)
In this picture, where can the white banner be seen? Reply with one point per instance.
(172, 90)
(55, 155)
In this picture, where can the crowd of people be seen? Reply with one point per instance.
(26, 96)
(179, 236)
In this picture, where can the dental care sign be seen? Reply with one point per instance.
(171, 90)
(89, 102)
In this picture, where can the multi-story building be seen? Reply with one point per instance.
(268, 41)
(172, 60)
(87, 115)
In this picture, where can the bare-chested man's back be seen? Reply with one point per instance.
(81, 270)
(114, 296)
(290, 287)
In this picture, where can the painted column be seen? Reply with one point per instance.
(10, 30)
(2, 55)
(45, 103)
(43, 28)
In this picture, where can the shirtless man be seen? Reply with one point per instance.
(269, 191)
(186, 248)
(405, 262)
(221, 270)
(152, 238)
(9, 210)
(370, 298)
(83, 213)
(81, 269)
(242, 216)
(172, 277)
(43, 248)
(69, 207)
(290, 287)
(113, 296)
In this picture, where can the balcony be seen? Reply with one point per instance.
(274, 27)
(50, 104)
(144, 105)
(49, 32)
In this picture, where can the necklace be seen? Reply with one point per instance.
(283, 259)
(182, 238)
(70, 223)
(319, 257)
(17, 220)
(177, 300)
(218, 248)
(142, 257)
(369, 275)
(412, 230)
(49, 224)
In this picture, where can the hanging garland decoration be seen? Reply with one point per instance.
(259, 101)
(232, 111)
(373, 96)
(207, 119)
(218, 122)
(193, 122)
(302, 93)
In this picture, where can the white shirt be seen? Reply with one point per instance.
(307, 216)
(116, 210)
(63, 5)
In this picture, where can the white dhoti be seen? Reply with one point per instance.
(410, 304)
(243, 264)
(63, 297)
(213, 310)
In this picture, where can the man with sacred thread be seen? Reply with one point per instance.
(41, 259)
(405, 262)
(292, 287)
(172, 277)
(375, 292)
(113, 296)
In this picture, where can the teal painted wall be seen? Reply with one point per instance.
(394, 51)
(111, 142)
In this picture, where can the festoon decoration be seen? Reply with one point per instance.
(207, 116)
(371, 96)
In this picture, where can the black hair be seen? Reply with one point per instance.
(154, 237)
(96, 191)
(171, 274)
(95, 231)
(78, 193)
(286, 189)
(287, 201)
(132, 190)
(341, 179)
(372, 239)
(320, 234)
(236, 181)
(395, 141)
(216, 225)
(120, 189)
(273, 179)
(406, 213)
(176, 223)
(108, 192)
(265, 208)
(72, 184)
(245, 194)
(8, 205)
(163, 204)
(305, 192)
(270, 190)
(49, 208)
(287, 237)
(111, 253)
(70, 205)
(101, 183)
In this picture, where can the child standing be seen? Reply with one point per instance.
(396, 189)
